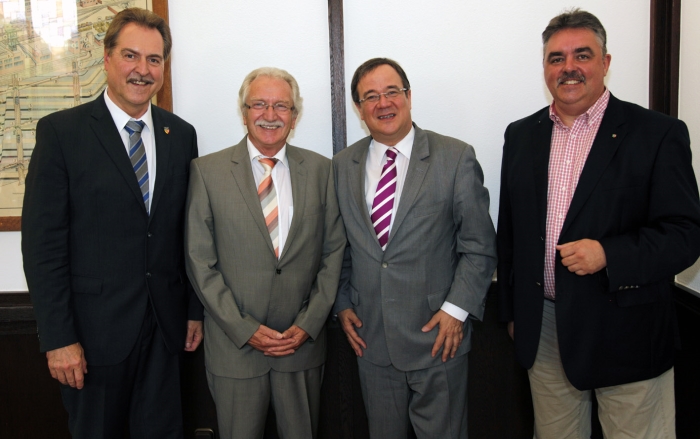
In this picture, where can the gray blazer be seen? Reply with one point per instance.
(442, 247)
(232, 265)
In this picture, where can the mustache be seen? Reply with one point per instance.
(139, 78)
(273, 124)
(567, 76)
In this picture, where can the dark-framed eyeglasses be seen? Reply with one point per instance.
(279, 108)
(391, 94)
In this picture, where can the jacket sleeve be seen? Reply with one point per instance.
(45, 231)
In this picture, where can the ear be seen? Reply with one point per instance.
(606, 62)
(359, 110)
(294, 121)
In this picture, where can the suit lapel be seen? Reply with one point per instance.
(242, 171)
(163, 148)
(417, 169)
(542, 145)
(357, 183)
(108, 135)
(297, 173)
(610, 134)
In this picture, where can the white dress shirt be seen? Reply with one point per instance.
(282, 182)
(376, 159)
(149, 140)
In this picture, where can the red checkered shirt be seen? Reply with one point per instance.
(569, 151)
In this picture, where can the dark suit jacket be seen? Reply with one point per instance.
(93, 257)
(441, 248)
(638, 196)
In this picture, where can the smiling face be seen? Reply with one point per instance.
(574, 70)
(388, 120)
(268, 129)
(135, 68)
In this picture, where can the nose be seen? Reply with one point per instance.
(269, 114)
(142, 66)
(570, 64)
(383, 101)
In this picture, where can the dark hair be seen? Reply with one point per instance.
(576, 19)
(140, 17)
(369, 66)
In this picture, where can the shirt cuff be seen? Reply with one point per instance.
(455, 311)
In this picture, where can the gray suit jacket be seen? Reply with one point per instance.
(442, 247)
(232, 265)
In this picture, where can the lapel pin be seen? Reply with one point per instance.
(167, 130)
(614, 135)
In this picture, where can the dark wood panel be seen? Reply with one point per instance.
(664, 55)
(499, 393)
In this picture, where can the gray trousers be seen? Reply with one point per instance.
(242, 404)
(433, 400)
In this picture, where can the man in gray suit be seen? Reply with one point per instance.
(264, 245)
(421, 249)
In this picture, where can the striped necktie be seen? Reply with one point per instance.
(137, 155)
(268, 200)
(383, 203)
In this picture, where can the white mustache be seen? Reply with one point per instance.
(273, 124)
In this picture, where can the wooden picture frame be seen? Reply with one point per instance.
(164, 100)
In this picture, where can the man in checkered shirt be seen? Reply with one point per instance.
(598, 211)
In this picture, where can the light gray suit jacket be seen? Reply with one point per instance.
(232, 265)
(442, 247)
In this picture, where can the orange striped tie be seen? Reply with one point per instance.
(268, 201)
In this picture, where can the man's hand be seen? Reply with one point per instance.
(585, 256)
(195, 334)
(349, 321)
(511, 330)
(294, 333)
(68, 365)
(450, 334)
(265, 338)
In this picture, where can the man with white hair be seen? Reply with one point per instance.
(264, 245)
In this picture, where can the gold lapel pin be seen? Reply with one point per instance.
(167, 130)
(614, 135)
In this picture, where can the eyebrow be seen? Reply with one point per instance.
(578, 50)
(136, 52)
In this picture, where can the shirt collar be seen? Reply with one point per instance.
(121, 118)
(254, 154)
(591, 115)
(404, 146)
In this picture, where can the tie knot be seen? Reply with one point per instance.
(391, 153)
(134, 126)
(267, 162)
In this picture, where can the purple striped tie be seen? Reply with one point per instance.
(384, 199)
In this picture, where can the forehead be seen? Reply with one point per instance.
(134, 35)
(571, 39)
(268, 87)
(380, 78)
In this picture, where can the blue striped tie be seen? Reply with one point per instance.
(137, 154)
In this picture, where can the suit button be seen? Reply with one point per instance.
(538, 284)
(278, 271)
(148, 275)
(149, 234)
(385, 264)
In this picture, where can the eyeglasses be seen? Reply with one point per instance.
(391, 94)
(279, 107)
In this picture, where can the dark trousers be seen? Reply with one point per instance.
(142, 393)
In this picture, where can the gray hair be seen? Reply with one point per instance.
(575, 18)
(271, 72)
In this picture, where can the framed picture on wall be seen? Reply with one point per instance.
(51, 58)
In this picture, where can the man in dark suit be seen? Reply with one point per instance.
(103, 258)
(420, 259)
(598, 211)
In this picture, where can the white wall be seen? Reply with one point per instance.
(474, 67)
(689, 104)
